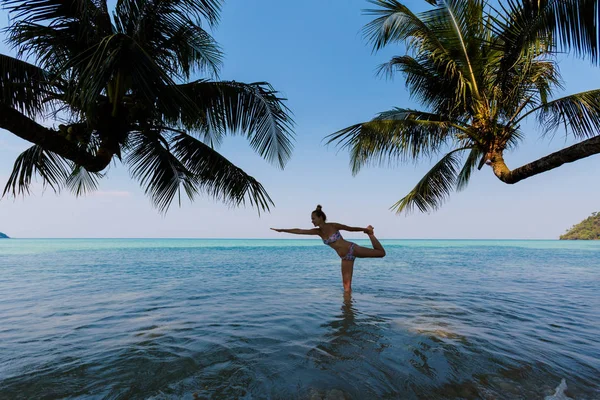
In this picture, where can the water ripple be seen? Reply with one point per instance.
(192, 319)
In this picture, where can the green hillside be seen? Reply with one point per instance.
(588, 229)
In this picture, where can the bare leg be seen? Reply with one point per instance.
(377, 250)
(374, 241)
(347, 269)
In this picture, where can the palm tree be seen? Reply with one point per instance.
(479, 72)
(120, 84)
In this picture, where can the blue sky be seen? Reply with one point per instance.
(312, 51)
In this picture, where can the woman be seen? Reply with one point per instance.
(348, 251)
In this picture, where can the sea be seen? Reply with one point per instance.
(268, 319)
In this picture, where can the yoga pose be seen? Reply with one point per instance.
(348, 251)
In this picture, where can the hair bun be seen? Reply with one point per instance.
(319, 207)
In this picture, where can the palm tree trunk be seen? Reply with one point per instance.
(25, 128)
(576, 152)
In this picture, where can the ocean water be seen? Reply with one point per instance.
(267, 319)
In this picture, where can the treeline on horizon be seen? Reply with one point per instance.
(588, 229)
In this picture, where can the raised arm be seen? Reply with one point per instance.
(314, 231)
(342, 227)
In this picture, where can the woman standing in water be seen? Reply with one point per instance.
(348, 251)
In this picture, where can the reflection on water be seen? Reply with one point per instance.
(352, 335)
(349, 353)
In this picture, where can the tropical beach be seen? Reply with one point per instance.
(156, 155)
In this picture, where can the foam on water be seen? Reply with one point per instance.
(559, 394)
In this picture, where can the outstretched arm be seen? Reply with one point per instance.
(314, 231)
(349, 228)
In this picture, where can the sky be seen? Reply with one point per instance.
(312, 51)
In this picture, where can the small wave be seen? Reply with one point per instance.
(559, 394)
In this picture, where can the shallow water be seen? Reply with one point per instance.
(254, 319)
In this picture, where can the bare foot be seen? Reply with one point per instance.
(369, 230)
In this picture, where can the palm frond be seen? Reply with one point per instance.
(396, 23)
(526, 30)
(126, 14)
(81, 181)
(252, 109)
(430, 83)
(545, 77)
(193, 49)
(36, 161)
(160, 173)
(48, 10)
(459, 27)
(435, 187)
(171, 33)
(50, 46)
(217, 176)
(97, 66)
(23, 86)
(114, 60)
(578, 113)
(143, 13)
(395, 135)
(565, 24)
(531, 84)
(432, 38)
(470, 165)
(53, 30)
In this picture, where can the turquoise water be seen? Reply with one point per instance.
(267, 319)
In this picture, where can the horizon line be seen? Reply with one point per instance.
(223, 238)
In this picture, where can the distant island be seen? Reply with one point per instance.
(3, 236)
(588, 229)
